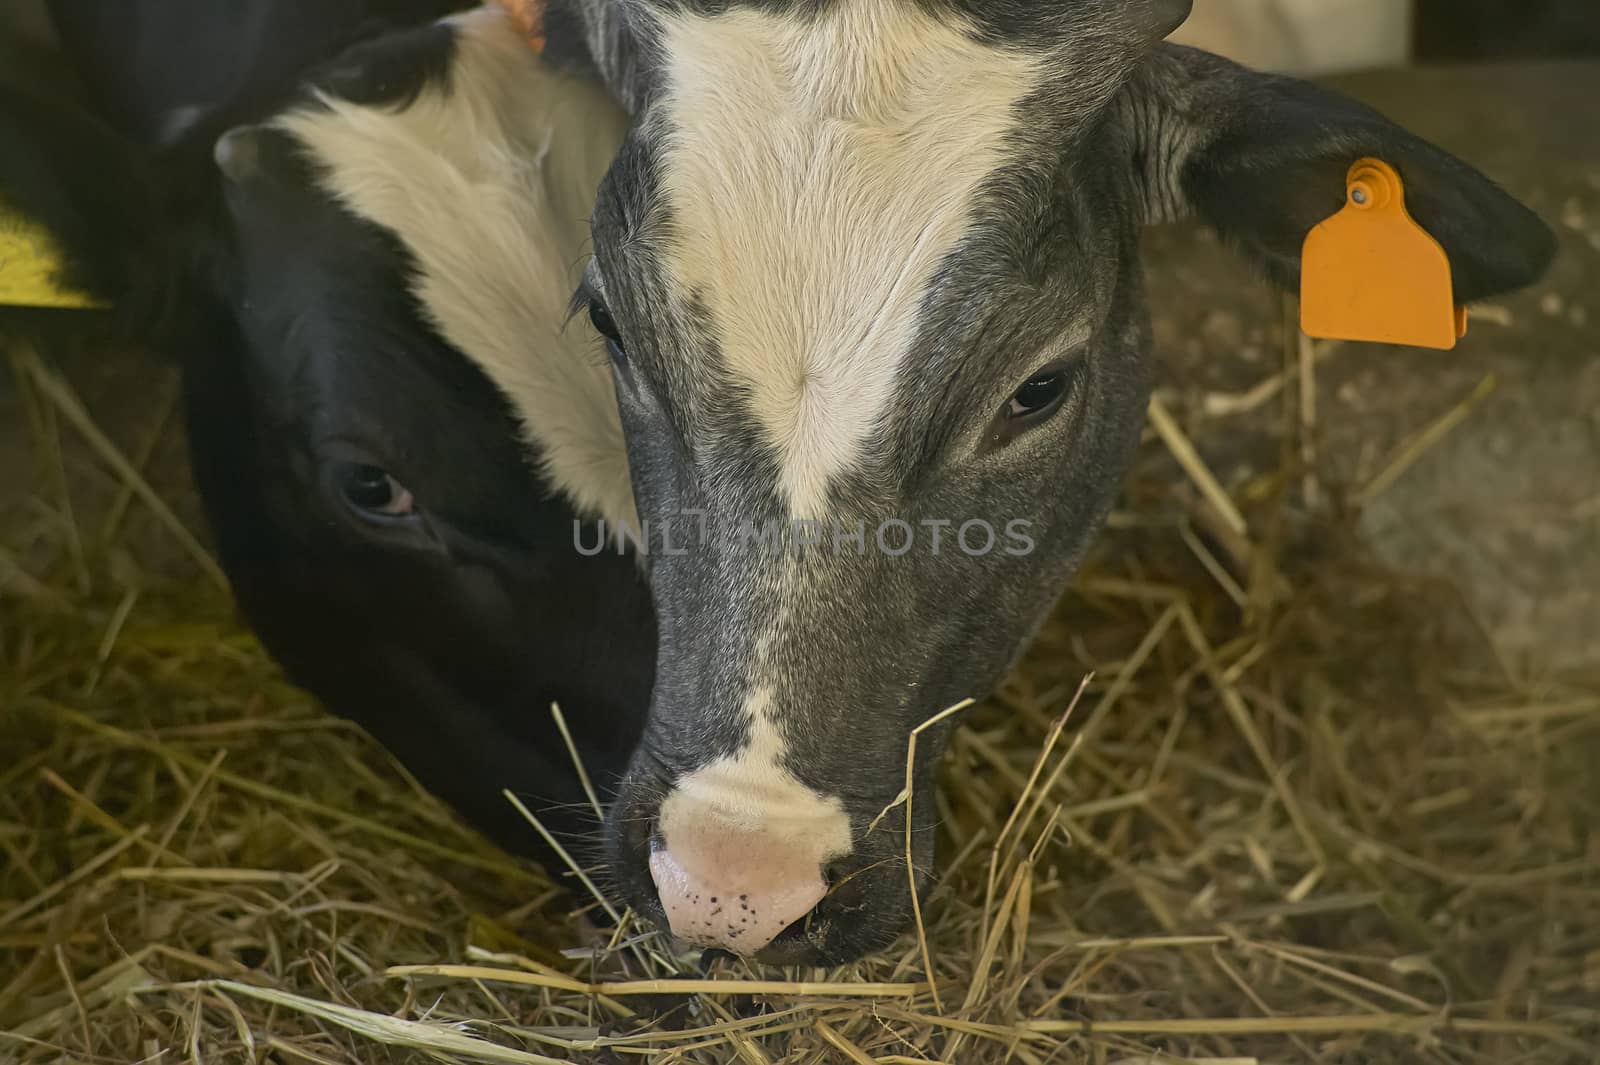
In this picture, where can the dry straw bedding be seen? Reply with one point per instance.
(1249, 798)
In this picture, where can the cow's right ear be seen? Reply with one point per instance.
(67, 176)
(1262, 159)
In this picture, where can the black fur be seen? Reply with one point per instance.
(146, 64)
(449, 637)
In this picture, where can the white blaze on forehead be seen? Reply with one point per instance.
(818, 172)
(488, 181)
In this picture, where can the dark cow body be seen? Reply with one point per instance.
(314, 379)
(152, 72)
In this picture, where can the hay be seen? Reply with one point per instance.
(1300, 813)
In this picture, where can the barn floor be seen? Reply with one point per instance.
(1507, 505)
(1368, 830)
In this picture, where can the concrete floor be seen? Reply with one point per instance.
(1508, 505)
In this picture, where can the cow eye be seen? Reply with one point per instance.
(1040, 395)
(606, 326)
(371, 492)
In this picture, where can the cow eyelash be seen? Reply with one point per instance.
(578, 303)
(588, 300)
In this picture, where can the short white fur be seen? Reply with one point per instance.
(751, 792)
(818, 172)
(489, 183)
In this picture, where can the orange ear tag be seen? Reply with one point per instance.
(1372, 273)
(529, 17)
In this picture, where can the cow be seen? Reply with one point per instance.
(864, 274)
(396, 530)
(868, 275)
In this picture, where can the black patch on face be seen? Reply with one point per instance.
(351, 358)
(301, 344)
(448, 641)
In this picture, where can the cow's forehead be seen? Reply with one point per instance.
(817, 174)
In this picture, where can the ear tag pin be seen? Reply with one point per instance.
(30, 263)
(1372, 273)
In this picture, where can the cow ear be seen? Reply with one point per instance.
(161, 71)
(1262, 159)
(82, 195)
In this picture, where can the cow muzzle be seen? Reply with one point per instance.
(734, 889)
(759, 866)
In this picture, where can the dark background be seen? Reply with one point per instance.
(1452, 30)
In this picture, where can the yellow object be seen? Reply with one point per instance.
(30, 264)
(1372, 273)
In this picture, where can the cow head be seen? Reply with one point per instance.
(869, 276)
(344, 273)
(402, 243)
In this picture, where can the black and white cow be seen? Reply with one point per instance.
(398, 533)
(862, 266)
(870, 267)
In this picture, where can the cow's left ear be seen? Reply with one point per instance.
(1263, 159)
